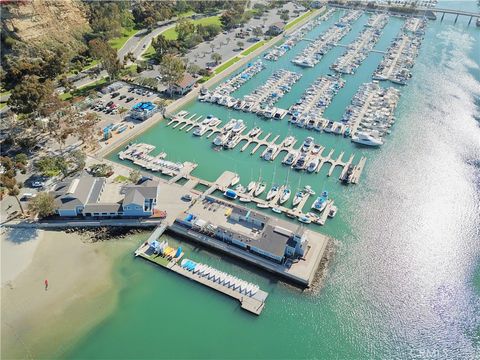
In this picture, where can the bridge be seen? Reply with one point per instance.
(458, 13)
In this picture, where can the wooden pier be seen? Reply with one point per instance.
(253, 304)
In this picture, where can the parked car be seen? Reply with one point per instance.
(122, 97)
(129, 99)
(115, 94)
(37, 184)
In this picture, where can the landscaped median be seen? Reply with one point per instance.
(298, 19)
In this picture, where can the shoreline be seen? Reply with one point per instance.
(46, 323)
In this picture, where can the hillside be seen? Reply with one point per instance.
(44, 20)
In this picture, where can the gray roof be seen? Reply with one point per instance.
(251, 214)
(137, 194)
(95, 191)
(268, 241)
(102, 207)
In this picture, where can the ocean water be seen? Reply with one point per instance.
(404, 281)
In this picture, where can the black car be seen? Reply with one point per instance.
(129, 99)
(115, 94)
(122, 97)
(110, 103)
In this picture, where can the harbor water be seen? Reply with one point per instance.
(404, 278)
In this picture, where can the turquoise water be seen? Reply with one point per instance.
(403, 282)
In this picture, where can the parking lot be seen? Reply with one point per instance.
(114, 107)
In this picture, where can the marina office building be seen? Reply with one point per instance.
(256, 234)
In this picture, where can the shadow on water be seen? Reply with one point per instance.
(19, 236)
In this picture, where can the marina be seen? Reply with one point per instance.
(318, 47)
(302, 156)
(400, 57)
(358, 50)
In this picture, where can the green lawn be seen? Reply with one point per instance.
(171, 34)
(298, 19)
(253, 48)
(2, 105)
(117, 43)
(225, 65)
(83, 89)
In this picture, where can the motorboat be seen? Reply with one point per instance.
(288, 141)
(365, 138)
(200, 130)
(304, 219)
(272, 149)
(260, 188)
(308, 189)
(230, 125)
(347, 177)
(313, 164)
(235, 180)
(263, 205)
(254, 132)
(276, 210)
(321, 202)
(285, 195)
(290, 158)
(272, 192)
(316, 149)
(332, 212)
(252, 185)
(220, 139)
(240, 189)
(231, 194)
(300, 163)
(297, 199)
(238, 126)
(244, 199)
(307, 144)
(231, 142)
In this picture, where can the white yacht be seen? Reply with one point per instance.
(235, 180)
(313, 164)
(230, 125)
(254, 132)
(365, 138)
(220, 139)
(272, 149)
(307, 144)
(308, 189)
(290, 158)
(251, 186)
(200, 130)
(238, 126)
(272, 192)
(260, 188)
(298, 198)
(316, 149)
(285, 195)
(288, 141)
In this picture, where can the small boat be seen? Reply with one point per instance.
(300, 163)
(313, 164)
(290, 158)
(288, 141)
(260, 188)
(347, 177)
(308, 189)
(244, 199)
(240, 189)
(272, 149)
(332, 212)
(272, 192)
(307, 144)
(235, 180)
(321, 202)
(251, 186)
(220, 139)
(285, 196)
(238, 126)
(316, 149)
(297, 199)
(365, 138)
(200, 130)
(229, 193)
(263, 205)
(230, 125)
(254, 132)
(304, 219)
(276, 210)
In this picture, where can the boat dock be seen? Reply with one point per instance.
(183, 121)
(249, 295)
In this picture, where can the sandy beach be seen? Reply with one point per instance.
(39, 323)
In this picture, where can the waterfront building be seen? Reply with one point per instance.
(90, 196)
(183, 86)
(143, 110)
(257, 234)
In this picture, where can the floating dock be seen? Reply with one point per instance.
(252, 300)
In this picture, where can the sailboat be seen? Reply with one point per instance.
(274, 190)
(261, 186)
(235, 180)
(286, 193)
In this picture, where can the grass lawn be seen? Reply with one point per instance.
(84, 89)
(171, 34)
(2, 105)
(117, 43)
(253, 48)
(297, 20)
(121, 179)
(225, 65)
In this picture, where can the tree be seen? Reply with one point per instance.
(228, 20)
(193, 69)
(216, 57)
(284, 16)
(240, 44)
(161, 46)
(134, 176)
(184, 29)
(101, 170)
(42, 205)
(101, 50)
(171, 69)
(52, 165)
(150, 23)
(257, 31)
(30, 95)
